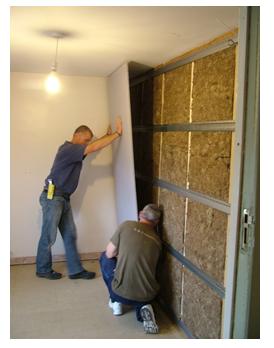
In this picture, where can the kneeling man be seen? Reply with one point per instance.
(129, 266)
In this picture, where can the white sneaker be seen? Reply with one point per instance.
(149, 321)
(116, 307)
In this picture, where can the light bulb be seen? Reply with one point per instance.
(52, 83)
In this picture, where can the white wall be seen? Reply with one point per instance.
(39, 125)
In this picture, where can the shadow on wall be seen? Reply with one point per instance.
(89, 175)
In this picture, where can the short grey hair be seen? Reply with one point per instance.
(151, 212)
(83, 129)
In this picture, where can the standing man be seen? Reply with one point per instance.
(129, 266)
(55, 201)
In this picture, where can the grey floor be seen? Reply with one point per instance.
(68, 308)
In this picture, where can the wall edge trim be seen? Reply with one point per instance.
(28, 260)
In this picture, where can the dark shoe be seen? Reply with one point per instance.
(52, 275)
(149, 321)
(83, 275)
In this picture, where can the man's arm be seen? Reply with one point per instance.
(111, 250)
(106, 139)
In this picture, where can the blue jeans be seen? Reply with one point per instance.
(107, 269)
(57, 213)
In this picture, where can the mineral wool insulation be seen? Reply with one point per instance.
(201, 91)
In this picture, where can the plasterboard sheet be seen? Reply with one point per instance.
(202, 308)
(205, 239)
(173, 206)
(213, 87)
(123, 161)
(177, 86)
(171, 283)
(174, 156)
(209, 169)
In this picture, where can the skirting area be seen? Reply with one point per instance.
(69, 309)
(27, 260)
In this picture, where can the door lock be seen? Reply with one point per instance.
(246, 237)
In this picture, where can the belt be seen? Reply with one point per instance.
(60, 194)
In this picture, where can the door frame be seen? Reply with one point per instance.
(248, 241)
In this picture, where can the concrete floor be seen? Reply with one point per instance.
(67, 308)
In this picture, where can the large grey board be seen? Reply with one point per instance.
(123, 163)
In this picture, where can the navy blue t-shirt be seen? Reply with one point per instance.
(66, 168)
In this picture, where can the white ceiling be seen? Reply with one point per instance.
(102, 38)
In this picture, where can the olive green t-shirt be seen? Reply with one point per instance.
(139, 249)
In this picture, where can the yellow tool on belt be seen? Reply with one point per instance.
(51, 189)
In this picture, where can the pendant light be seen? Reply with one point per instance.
(52, 82)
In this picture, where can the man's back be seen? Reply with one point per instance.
(66, 167)
(139, 249)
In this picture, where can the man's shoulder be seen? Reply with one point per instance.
(128, 224)
(138, 226)
(69, 145)
(74, 151)
(65, 146)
